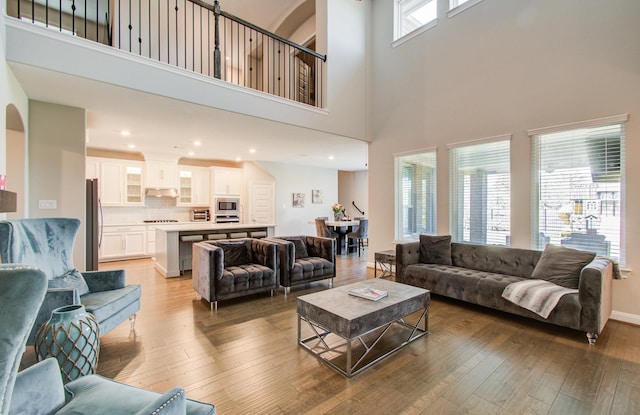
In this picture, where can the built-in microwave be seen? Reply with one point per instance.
(227, 205)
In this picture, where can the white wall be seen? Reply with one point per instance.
(301, 179)
(505, 67)
(57, 165)
(353, 186)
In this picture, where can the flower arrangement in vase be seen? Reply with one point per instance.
(338, 211)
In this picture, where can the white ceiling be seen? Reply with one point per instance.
(162, 125)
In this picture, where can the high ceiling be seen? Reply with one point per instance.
(168, 126)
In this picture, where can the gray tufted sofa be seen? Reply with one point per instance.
(304, 259)
(478, 274)
(226, 269)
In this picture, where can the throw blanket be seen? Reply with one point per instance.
(539, 296)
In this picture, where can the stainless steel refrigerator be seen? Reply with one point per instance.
(93, 220)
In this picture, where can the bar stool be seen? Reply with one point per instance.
(258, 234)
(185, 251)
(237, 235)
(216, 236)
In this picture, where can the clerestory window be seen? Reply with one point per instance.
(412, 15)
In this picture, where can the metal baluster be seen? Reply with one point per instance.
(139, 27)
(216, 51)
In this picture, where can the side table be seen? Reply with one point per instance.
(386, 260)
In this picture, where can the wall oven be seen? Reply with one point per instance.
(227, 206)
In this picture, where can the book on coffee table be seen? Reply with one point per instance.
(368, 293)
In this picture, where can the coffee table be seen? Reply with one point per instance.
(350, 333)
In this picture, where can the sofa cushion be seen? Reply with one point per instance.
(561, 265)
(300, 248)
(245, 277)
(71, 279)
(435, 249)
(235, 253)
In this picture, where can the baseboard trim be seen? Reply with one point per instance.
(626, 317)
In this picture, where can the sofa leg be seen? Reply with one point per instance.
(214, 306)
(272, 292)
(286, 291)
(592, 337)
(132, 320)
(330, 282)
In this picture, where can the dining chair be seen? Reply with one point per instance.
(360, 234)
(323, 230)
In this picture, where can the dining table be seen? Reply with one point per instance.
(342, 228)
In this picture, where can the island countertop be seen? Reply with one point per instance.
(210, 226)
(172, 256)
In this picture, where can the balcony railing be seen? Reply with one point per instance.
(189, 34)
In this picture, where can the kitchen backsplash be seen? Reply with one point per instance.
(154, 209)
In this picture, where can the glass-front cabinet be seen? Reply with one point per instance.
(133, 185)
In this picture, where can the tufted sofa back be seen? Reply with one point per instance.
(501, 260)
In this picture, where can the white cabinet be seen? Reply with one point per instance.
(120, 181)
(227, 181)
(93, 168)
(161, 174)
(123, 242)
(193, 186)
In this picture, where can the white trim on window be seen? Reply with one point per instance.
(415, 33)
(412, 152)
(462, 7)
(501, 137)
(596, 122)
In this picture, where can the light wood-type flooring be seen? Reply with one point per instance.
(244, 358)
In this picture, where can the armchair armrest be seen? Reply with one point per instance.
(407, 253)
(38, 389)
(322, 247)
(208, 264)
(171, 402)
(104, 280)
(595, 294)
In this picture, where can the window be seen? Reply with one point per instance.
(416, 195)
(411, 15)
(578, 182)
(458, 6)
(480, 192)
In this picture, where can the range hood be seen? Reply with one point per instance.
(161, 192)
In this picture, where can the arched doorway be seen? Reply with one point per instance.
(16, 155)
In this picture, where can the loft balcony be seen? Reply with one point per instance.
(191, 35)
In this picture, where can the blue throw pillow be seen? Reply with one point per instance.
(72, 279)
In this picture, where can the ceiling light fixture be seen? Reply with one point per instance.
(238, 158)
(331, 157)
(197, 143)
(252, 150)
(131, 146)
(191, 153)
(125, 133)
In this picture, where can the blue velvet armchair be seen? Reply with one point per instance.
(47, 243)
(38, 390)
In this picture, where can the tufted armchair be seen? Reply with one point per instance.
(226, 269)
(304, 259)
(38, 390)
(47, 243)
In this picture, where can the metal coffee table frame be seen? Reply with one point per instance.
(354, 367)
(351, 333)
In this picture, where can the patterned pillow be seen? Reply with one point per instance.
(71, 279)
(435, 249)
(561, 265)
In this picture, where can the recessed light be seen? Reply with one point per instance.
(197, 143)
(125, 133)
(238, 158)
(331, 157)
(252, 150)
(191, 153)
(131, 146)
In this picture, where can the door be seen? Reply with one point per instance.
(262, 203)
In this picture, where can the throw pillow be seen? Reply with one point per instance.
(561, 265)
(71, 279)
(235, 253)
(435, 249)
(300, 248)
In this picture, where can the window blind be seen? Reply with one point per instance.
(416, 195)
(480, 193)
(578, 189)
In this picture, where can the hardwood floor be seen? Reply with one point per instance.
(244, 358)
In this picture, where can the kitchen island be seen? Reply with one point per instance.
(168, 246)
